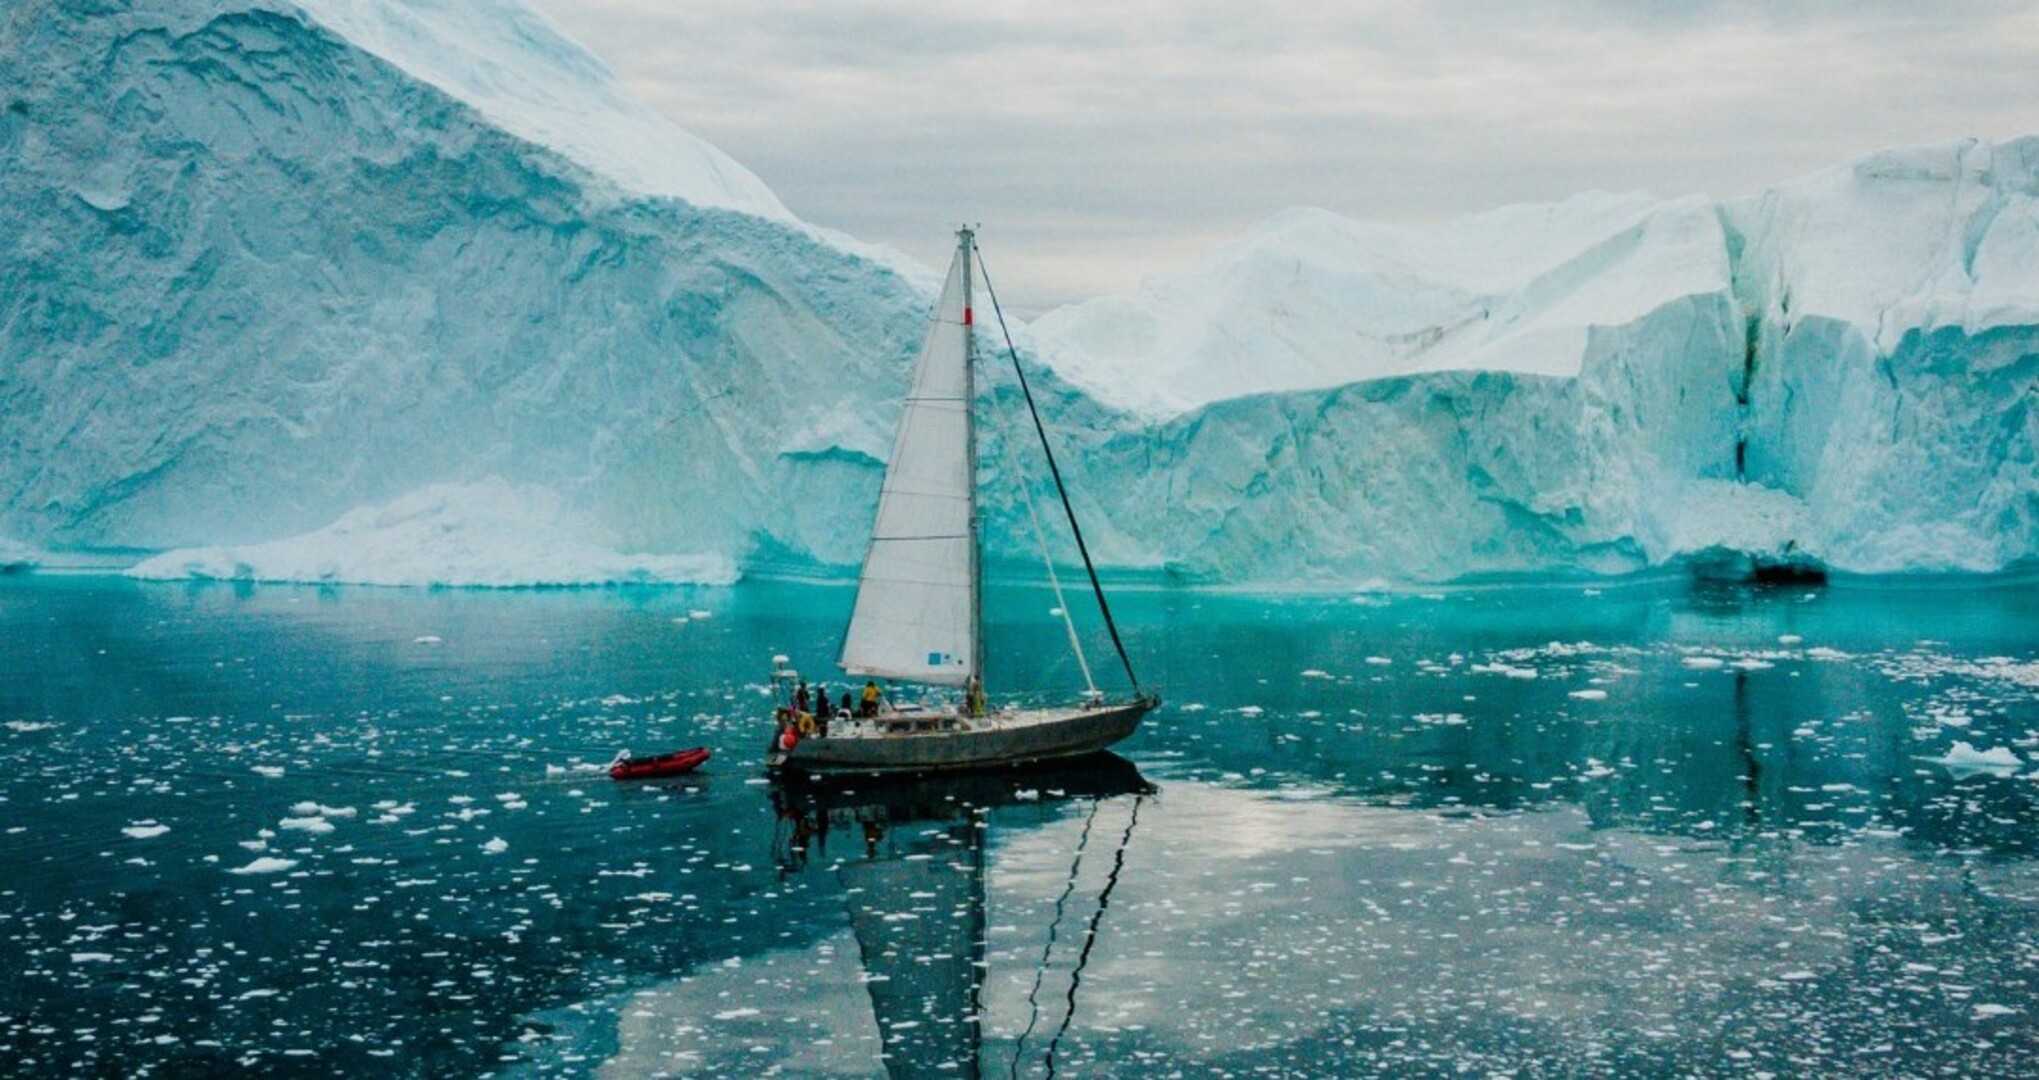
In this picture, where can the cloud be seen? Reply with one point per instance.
(1115, 139)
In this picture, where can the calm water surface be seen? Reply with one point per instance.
(1653, 830)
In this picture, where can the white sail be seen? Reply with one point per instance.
(916, 610)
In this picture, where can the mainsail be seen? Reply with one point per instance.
(916, 612)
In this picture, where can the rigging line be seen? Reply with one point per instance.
(1019, 475)
(1104, 901)
(1041, 969)
(1056, 471)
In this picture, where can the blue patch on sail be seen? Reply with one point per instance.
(937, 659)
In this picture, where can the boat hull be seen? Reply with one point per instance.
(993, 742)
(673, 764)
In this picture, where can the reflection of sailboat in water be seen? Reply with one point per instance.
(915, 887)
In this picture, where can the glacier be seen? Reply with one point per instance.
(415, 293)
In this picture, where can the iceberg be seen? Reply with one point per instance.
(1836, 373)
(263, 274)
(368, 291)
(1965, 760)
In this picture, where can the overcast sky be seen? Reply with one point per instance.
(1098, 141)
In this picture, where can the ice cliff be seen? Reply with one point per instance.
(1839, 373)
(414, 292)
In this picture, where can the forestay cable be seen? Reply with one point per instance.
(1055, 471)
(1026, 487)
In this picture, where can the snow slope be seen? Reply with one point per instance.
(513, 67)
(1311, 300)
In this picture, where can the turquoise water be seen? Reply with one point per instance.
(1655, 830)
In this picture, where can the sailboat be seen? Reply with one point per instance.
(918, 616)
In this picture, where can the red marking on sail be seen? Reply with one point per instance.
(966, 316)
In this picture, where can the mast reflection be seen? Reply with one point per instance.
(913, 875)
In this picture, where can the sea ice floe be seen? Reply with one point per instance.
(1963, 758)
(266, 865)
(1590, 695)
(145, 830)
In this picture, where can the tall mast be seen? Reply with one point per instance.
(966, 254)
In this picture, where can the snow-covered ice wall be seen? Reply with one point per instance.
(1844, 371)
(367, 290)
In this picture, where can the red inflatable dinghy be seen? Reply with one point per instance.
(673, 764)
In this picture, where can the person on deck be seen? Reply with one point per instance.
(871, 696)
(976, 697)
(821, 710)
(800, 698)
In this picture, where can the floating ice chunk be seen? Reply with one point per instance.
(1316, 673)
(268, 864)
(91, 958)
(428, 639)
(1789, 639)
(1590, 695)
(496, 846)
(1703, 663)
(1990, 1010)
(29, 725)
(736, 1014)
(270, 771)
(145, 830)
(306, 824)
(1964, 759)
(1250, 710)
